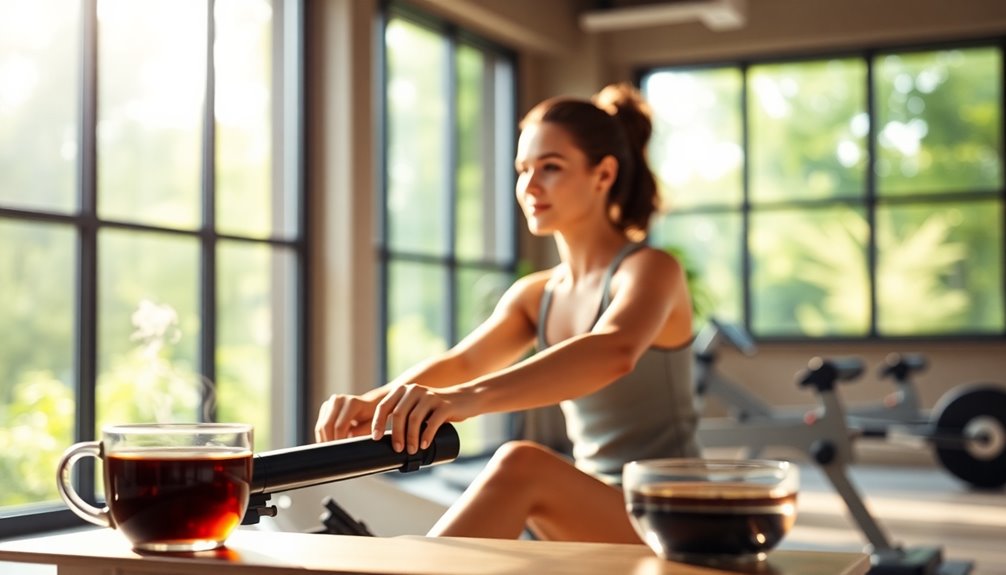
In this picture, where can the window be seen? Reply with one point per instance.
(448, 234)
(152, 255)
(845, 197)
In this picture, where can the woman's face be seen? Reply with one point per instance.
(556, 187)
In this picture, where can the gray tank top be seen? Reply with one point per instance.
(647, 414)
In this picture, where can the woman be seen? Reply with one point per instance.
(612, 323)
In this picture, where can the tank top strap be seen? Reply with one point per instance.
(617, 261)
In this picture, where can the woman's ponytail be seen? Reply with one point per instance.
(638, 198)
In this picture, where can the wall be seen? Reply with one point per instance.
(341, 180)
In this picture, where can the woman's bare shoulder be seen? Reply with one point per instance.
(652, 261)
(523, 297)
(531, 285)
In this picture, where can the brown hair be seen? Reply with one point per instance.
(616, 122)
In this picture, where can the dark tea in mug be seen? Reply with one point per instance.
(169, 487)
(695, 519)
(177, 495)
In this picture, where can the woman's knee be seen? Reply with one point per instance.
(522, 461)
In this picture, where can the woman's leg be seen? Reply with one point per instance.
(527, 485)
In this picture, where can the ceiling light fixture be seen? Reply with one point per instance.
(717, 15)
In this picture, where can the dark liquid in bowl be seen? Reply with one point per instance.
(177, 494)
(725, 520)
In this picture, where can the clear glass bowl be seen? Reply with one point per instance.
(711, 511)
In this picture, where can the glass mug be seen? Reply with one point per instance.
(711, 511)
(168, 487)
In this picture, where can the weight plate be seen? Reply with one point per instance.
(976, 413)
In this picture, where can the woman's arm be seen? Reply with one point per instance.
(647, 289)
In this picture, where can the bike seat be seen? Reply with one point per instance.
(901, 365)
(822, 374)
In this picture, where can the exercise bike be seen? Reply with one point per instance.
(966, 428)
(826, 439)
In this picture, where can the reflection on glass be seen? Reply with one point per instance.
(152, 59)
(148, 328)
(416, 314)
(256, 299)
(475, 230)
(809, 272)
(242, 51)
(940, 269)
(38, 105)
(808, 128)
(939, 121)
(37, 403)
(709, 247)
(696, 150)
(417, 153)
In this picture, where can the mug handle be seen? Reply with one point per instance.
(64, 481)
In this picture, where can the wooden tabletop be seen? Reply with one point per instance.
(255, 552)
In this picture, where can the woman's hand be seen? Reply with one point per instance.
(343, 416)
(410, 406)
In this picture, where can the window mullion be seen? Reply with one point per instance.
(1002, 164)
(745, 202)
(381, 181)
(87, 287)
(452, 159)
(871, 192)
(207, 275)
(295, 150)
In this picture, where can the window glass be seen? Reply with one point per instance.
(38, 127)
(448, 231)
(809, 273)
(148, 329)
(939, 125)
(250, 198)
(256, 295)
(500, 163)
(114, 286)
(37, 402)
(478, 292)
(475, 197)
(150, 107)
(940, 268)
(912, 248)
(696, 150)
(418, 155)
(808, 128)
(417, 325)
(709, 246)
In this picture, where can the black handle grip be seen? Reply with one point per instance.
(306, 465)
